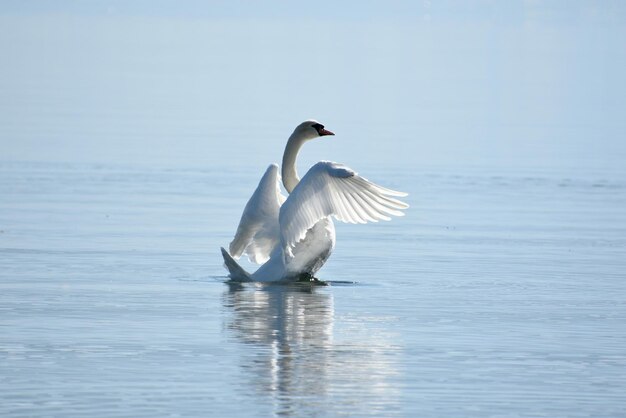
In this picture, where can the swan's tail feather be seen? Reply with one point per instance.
(236, 272)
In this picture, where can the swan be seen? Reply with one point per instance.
(292, 237)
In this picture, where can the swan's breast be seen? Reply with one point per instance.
(311, 253)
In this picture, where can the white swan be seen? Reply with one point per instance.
(293, 237)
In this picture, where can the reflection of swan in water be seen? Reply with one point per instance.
(295, 323)
(292, 355)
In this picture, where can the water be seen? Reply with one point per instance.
(497, 295)
(132, 137)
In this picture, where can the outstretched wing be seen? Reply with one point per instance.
(258, 231)
(331, 189)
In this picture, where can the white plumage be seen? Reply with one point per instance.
(331, 189)
(294, 236)
(258, 232)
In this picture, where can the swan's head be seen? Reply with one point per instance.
(310, 129)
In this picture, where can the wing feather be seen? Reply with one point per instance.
(381, 204)
(367, 205)
(331, 189)
(363, 218)
(258, 232)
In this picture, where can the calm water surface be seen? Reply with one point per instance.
(499, 294)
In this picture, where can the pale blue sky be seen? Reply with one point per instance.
(488, 82)
(511, 11)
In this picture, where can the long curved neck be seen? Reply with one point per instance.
(289, 173)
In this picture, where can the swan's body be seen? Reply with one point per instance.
(294, 236)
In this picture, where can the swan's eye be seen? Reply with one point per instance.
(318, 127)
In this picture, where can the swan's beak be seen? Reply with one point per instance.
(324, 132)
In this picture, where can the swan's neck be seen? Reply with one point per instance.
(289, 172)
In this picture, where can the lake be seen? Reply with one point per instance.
(132, 135)
(497, 295)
